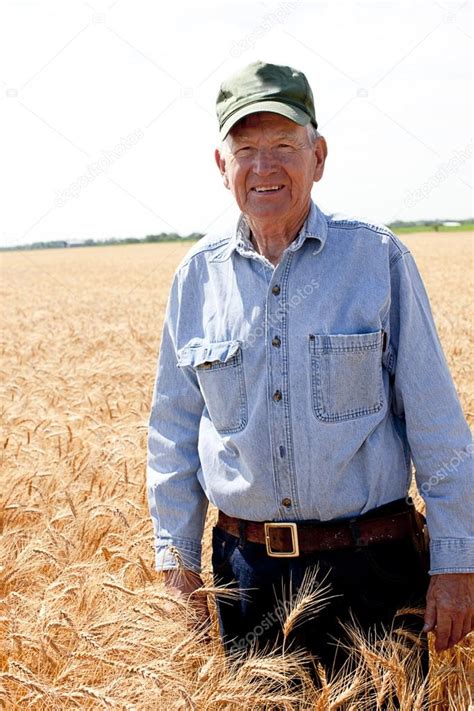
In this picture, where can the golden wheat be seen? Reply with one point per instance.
(84, 620)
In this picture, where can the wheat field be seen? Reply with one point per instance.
(84, 621)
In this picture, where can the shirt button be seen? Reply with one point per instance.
(276, 290)
(277, 395)
(286, 502)
(276, 342)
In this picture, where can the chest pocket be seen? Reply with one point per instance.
(346, 375)
(219, 370)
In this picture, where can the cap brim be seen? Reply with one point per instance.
(297, 115)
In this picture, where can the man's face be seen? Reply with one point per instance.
(269, 165)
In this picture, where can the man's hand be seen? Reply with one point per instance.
(186, 582)
(450, 608)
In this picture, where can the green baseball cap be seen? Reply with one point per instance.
(265, 87)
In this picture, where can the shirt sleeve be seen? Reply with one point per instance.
(439, 438)
(176, 500)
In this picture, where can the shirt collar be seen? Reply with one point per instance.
(314, 227)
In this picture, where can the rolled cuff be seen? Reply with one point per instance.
(451, 555)
(170, 555)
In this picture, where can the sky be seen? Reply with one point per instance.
(107, 109)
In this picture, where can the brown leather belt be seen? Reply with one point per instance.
(288, 540)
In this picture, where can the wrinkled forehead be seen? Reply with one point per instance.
(267, 121)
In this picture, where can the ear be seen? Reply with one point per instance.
(220, 161)
(320, 151)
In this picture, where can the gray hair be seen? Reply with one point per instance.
(313, 133)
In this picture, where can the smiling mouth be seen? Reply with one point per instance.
(266, 189)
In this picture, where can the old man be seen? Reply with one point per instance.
(300, 375)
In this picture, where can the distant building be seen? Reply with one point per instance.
(451, 223)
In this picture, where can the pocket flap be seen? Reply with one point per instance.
(347, 342)
(196, 353)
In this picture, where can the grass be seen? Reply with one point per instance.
(468, 226)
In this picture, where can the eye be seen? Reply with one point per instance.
(243, 152)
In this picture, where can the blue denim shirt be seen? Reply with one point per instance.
(304, 391)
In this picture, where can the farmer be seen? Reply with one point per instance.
(300, 374)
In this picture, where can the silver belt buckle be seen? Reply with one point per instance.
(294, 553)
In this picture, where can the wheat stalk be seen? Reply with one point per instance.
(84, 620)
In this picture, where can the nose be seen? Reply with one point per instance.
(264, 162)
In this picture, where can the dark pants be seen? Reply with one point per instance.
(371, 583)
